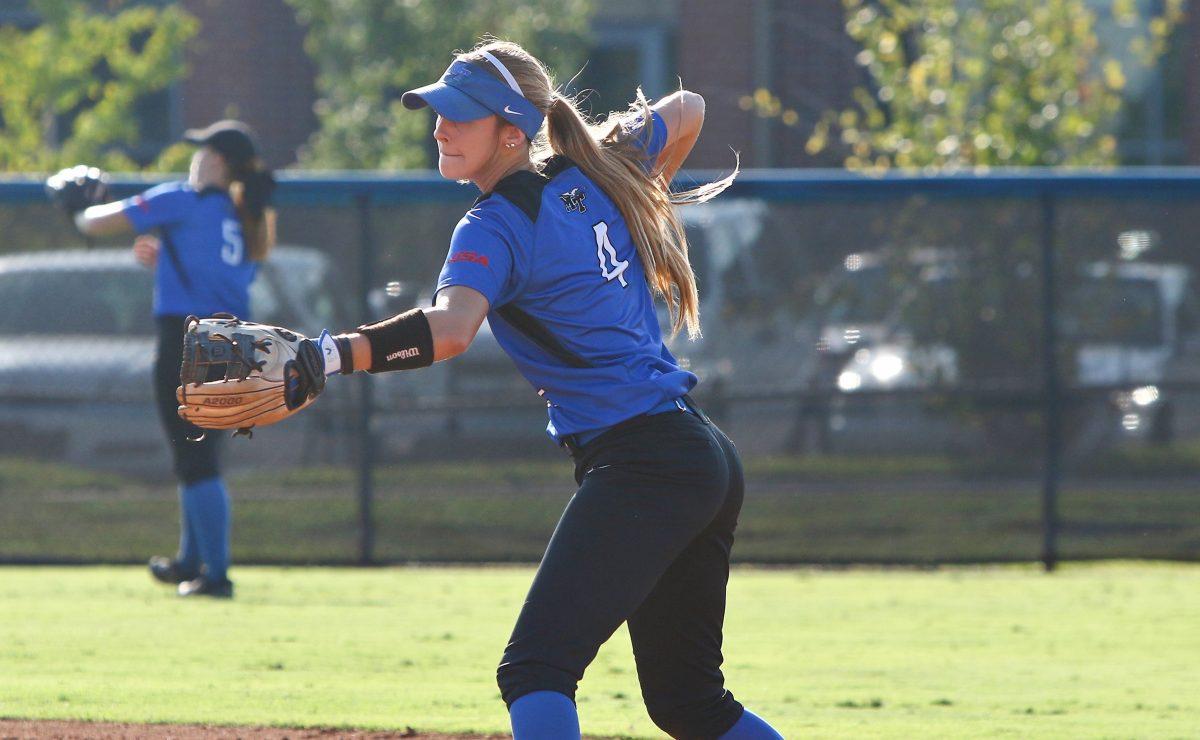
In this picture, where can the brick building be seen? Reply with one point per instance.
(248, 61)
(797, 50)
(1191, 104)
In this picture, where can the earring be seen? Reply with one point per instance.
(511, 144)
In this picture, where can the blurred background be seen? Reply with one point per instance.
(949, 307)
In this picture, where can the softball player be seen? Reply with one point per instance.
(213, 229)
(563, 253)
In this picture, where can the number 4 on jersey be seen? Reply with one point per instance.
(610, 266)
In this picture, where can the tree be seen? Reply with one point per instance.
(987, 83)
(954, 86)
(68, 88)
(368, 52)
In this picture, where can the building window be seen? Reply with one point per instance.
(625, 56)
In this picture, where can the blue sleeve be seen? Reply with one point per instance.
(487, 255)
(654, 140)
(158, 206)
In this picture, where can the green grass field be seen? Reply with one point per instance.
(882, 510)
(1099, 651)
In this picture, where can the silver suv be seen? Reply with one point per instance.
(77, 348)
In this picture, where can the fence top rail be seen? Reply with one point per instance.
(389, 188)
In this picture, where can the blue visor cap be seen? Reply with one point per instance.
(467, 92)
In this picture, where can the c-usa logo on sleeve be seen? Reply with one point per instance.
(573, 200)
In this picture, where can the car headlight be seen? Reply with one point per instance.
(1139, 400)
(886, 367)
(876, 367)
(1147, 395)
(849, 381)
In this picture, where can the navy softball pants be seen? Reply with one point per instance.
(645, 540)
(194, 461)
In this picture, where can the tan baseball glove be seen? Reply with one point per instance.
(240, 375)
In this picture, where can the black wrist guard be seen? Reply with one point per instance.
(346, 352)
(403, 342)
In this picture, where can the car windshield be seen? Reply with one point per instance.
(94, 302)
(110, 301)
(698, 257)
(1114, 311)
(293, 291)
(863, 296)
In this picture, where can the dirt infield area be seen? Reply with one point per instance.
(58, 730)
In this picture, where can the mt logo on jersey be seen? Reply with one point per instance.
(573, 200)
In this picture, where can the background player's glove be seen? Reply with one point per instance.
(240, 375)
(78, 187)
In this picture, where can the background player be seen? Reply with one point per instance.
(563, 253)
(213, 230)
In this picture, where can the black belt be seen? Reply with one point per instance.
(571, 441)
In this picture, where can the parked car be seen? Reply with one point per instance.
(863, 308)
(1125, 323)
(77, 347)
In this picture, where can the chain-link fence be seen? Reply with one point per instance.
(944, 369)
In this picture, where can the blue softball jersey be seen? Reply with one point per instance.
(202, 265)
(556, 247)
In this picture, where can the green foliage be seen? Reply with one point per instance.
(993, 82)
(175, 158)
(84, 71)
(954, 86)
(369, 52)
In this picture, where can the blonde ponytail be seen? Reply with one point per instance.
(615, 160)
(612, 154)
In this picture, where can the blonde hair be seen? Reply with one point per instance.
(612, 154)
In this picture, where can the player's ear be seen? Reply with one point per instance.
(511, 137)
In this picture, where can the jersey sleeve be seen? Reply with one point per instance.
(158, 206)
(486, 254)
(652, 139)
